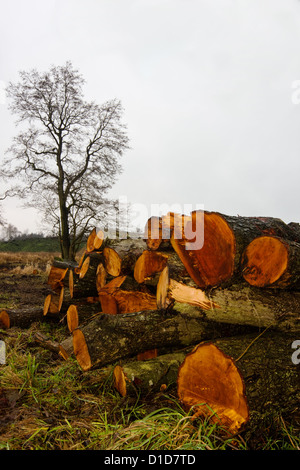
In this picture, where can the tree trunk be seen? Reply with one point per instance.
(246, 305)
(224, 240)
(112, 337)
(239, 304)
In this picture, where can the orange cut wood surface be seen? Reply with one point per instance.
(209, 381)
(4, 319)
(148, 264)
(113, 262)
(81, 350)
(213, 262)
(264, 261)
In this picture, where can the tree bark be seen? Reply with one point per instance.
(112, 337)
(246, 305)
(217, 261)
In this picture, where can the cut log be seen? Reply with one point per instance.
(224, 240)
(135, 378)
(237, 382)
(148, 264)
(72, 318)
(121, 255)
(101, 276)
(159, 230)
(85, 282)
(56, 277)
(90, 241)
(112, 337)
(246, 305)
(210, 382)
(81, 350)
(272, 262)
(270, 380)
(53, 303)
(98, 241)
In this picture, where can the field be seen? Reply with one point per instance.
(47, 403)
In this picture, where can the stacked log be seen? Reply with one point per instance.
(214, 321)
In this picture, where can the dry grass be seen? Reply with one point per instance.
(25, 263)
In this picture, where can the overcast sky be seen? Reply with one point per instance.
(209, 90)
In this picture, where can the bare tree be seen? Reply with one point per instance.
(66, 157)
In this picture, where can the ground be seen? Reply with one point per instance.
(48, 403)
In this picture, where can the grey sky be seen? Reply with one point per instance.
(206, 86)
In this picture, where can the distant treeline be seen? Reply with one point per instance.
(30, 243)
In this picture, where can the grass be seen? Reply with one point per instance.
(53, 405)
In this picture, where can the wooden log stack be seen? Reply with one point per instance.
(216, 322)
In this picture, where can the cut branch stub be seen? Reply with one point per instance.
(272, 262)
(159, 230)
(209, 381)
(100, 277)
(53, 302)
(119, 380)
(72, 318)
(98, 240)
(81, 350)
(4, 320)
(56, 277)
(148, 264)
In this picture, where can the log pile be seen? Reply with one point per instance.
(216, 322)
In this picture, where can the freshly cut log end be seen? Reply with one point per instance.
(113, 261)
(113, 285)
(63, 353)
(100, 277)
(72, 318)
(162, 289)
(71, 283)
(209, 381)
(119, 380)
(53, 302)
(108, 303)
(56, 277)
(265, 261)
(98, 240)
(4, 320)
(90, 241)
(213, 262)
(81, 350)
(84, 268)
(148, 264)
(153, 233)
